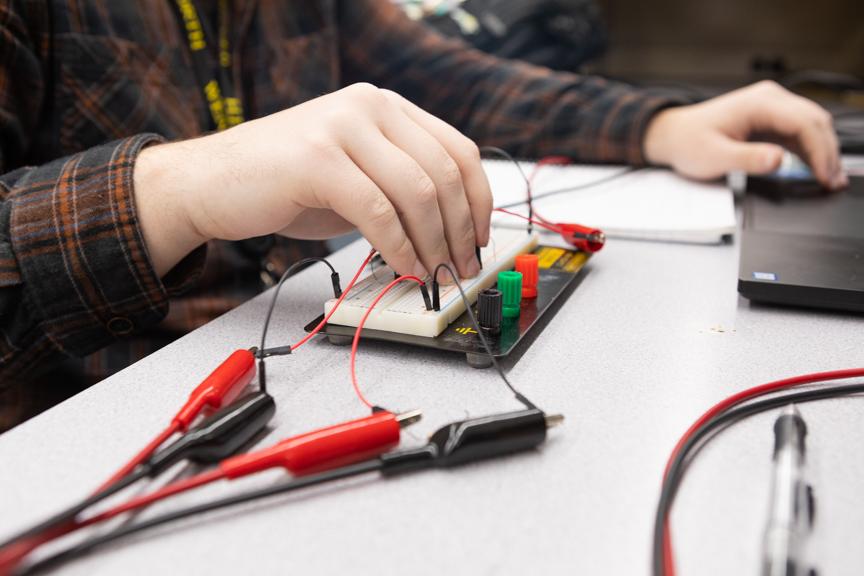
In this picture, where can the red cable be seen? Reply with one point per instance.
(220, 387)
(547, 161)
(338, 302)
(141, 456)
(315, 451)
(543, 224)
(722, 406)
(170, 490)
(11, 556)
(360, 329)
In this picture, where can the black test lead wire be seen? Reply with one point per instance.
(263, 352)
(509, 157)
(454, 444)
(576, 188)
(218, 436)
(703, 435)
(436, 302)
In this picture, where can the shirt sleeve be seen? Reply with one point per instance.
(528, 110)
(74, 269)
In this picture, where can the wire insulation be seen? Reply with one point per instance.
(142, 456)
(547, 161)
(360, 325)
(263, 352)
(71, 512)
(541, 223)
(507, 156)
(285, 275)
(172, 489)
(519, 396)
(252, 495)
(665, 556)
(348, 288)
(576, 188)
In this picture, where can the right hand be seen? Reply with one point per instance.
(412, 184)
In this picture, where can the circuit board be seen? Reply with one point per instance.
(560, 270)
(402, 310)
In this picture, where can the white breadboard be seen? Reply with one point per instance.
(402, 309)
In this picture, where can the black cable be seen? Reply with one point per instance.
(507, 156)
(576, 188)
(262, 351)
(71, 512)
(128, 530)
(519, 395)
(683, 458)
(455, 444)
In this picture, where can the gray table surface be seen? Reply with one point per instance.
(655, 334)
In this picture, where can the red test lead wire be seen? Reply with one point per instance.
(357, 332)
(584, 238)
(312, 452)
(338, 302)
(730, 402)
(220, 388)
(547, 161)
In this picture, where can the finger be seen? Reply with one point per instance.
(360, 201)
(751, 157)
(409, 188)
(791, 115)
(456, 214)
(467, 157)
(837, 175)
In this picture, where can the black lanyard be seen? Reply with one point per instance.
(214, 75)
(226, 110)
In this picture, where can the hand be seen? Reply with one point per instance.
(709, 139)
(364, 157)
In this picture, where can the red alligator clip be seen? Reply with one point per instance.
(220, 388)
(584, 238)
(326, 448)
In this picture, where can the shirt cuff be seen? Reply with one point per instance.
(81, 254)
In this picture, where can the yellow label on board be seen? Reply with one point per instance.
(547, 256)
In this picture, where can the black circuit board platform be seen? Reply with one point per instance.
(559, 270)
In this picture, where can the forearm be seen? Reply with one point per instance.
(528, 110)
(76, 274)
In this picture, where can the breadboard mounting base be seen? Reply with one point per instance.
(560, 272)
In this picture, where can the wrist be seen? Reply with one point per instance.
(166, 182)
(659, 139)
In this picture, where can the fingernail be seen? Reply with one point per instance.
(472, 267)
(420, 270)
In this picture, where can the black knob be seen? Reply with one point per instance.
(489, 303)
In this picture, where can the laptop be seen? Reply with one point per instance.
(802, 245)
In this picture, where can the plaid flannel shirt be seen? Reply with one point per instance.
(86, 84)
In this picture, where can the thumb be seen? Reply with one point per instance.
(751, 157)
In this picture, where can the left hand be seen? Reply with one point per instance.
(746, 129)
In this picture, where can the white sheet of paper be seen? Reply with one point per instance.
(650, 204)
